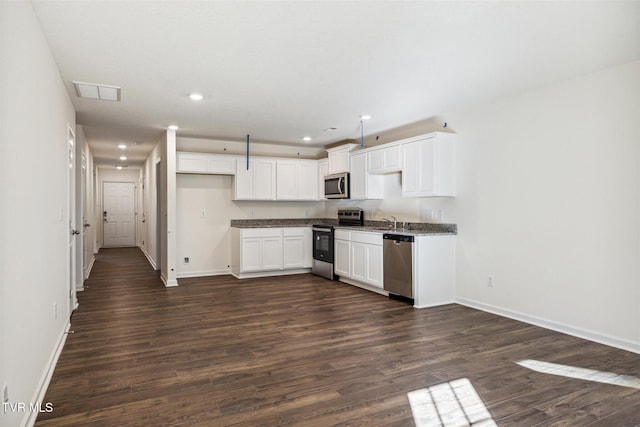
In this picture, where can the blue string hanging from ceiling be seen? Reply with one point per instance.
(248, 137)
(361, 133)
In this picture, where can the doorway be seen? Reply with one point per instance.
(118, 214)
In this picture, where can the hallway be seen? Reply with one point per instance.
(301, 350)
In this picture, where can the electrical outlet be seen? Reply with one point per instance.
(186, 260)
(203, 213)
(490, 281)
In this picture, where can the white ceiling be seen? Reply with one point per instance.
(283, 70)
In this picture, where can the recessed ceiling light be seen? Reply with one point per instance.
(122, 146)
(196, 97)
(306, 138)
(365, 117)
(119, 167)
(173, 127)
(123, 157)
(331, 129)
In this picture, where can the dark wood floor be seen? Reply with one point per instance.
(301, 350)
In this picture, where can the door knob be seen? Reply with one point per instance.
(87, 225)
(74, 232)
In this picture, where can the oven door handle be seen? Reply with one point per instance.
(321, 230)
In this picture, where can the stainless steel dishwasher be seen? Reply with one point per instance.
(398, 264)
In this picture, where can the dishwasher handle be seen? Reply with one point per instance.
(397, 238)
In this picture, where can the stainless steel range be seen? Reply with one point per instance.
(323, 241)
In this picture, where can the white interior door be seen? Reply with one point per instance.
(118, 214)
(86, 253)
(71, 209)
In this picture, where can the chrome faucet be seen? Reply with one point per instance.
(395, 221)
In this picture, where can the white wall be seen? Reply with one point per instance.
(206, 240)
(549, 205)
(34, 272)
(150, 225)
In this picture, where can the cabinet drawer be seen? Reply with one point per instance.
(261, 232)
(293, 231)
(369, 238)
(342, 235)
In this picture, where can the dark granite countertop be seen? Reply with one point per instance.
(411, 228)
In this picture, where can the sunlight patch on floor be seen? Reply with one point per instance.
(454, 403)
(581, 373)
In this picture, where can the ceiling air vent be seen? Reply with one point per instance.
(97, 91)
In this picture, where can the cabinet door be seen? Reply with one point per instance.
(359, 261)
(307, 237)
(428, 167)
(374, 274)
(221, 164)
(243, 182)
(191, 163)
(264, 179)
(426, 176)
(392, 159)
(363, 185)
(308, 180)
(272, 253)
(358, 176)
(323, 170)
(339, 161)
(287, 180)
(293, 249)
(342, 258)
(251, 254)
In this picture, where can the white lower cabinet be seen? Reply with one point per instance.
(296, 246)
(342, 254)
(270, 251)
(358, 256)
(260, 249)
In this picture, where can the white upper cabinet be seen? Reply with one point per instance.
(297, 180)
(428, 166)
(202, 163)
(363, 185)
(384, 160)
(323, 170)
(257, 183)
(339, 158)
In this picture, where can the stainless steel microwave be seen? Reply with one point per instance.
(336, 186)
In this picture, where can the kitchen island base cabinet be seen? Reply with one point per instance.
(433, 270)
(261, 252)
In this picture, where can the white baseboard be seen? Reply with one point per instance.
(45, 379)
(270, 273)
(623, 344)
(168, 283)
(434, 304)
(364, 286)
(90, 267)
(151, 261)
(204, 273)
